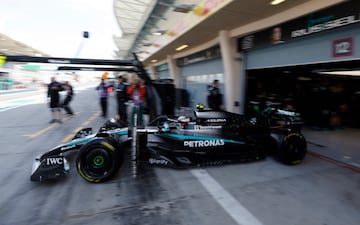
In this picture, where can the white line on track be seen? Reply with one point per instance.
(18, 102)
(233, 207)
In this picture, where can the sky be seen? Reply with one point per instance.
(56, 27)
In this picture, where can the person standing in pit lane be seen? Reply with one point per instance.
(103, 89)
(69, 95)
(214, 97)
(137, 91)
(54, 100)
(122, 98)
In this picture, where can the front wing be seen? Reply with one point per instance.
(53, 164)
(48, 168)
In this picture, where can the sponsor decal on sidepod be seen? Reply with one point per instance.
(204, 143)
(158, 161)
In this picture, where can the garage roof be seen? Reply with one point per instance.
(131, 16)
(139, 22)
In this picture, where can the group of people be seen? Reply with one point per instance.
(55, 103)
(125, 92)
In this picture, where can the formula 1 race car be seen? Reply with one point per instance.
(203, 138)
(208, 138)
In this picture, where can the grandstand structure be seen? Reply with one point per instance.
(10, 46)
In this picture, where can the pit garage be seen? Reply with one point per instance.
(318, 93)
(311, 64)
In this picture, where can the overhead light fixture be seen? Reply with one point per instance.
(181, 47)
(143, 52)
(342, 73)
(183, 8)
(154, 60)
(158, 32)
(276, 2)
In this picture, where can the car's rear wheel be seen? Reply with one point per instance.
(98, 160)
(292, 150)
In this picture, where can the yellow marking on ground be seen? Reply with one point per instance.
(90, 119)
(42, 131)
(77, 129)
(70, 136)
(95, 115)
(86, 122)
(47, 128)
(36, 134)
(69, 117)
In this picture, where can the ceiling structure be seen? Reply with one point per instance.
(9, 46)
(131, 16)
(139, 19)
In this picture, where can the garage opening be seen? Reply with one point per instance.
(327, 95)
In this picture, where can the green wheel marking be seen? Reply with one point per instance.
(98, 160)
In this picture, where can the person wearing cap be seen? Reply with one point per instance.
(103, 89)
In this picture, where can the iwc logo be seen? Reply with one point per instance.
(54, 161)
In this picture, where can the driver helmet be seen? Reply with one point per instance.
(183, 119)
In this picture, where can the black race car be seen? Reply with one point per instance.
(203, 138)
(209, 138)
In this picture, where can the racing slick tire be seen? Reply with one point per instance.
(98, 160)
(292, 149)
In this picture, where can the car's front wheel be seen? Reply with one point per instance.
(98, 160)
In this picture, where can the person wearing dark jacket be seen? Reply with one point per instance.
(69, 95)
(54, 100)
(122, 98)
(214, 97)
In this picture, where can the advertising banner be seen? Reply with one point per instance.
(334, 17)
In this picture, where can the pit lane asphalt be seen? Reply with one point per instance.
(314, 192)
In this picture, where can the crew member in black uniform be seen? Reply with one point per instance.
(214, 98)
(54, 100)
(122, 98)
(69, 95)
